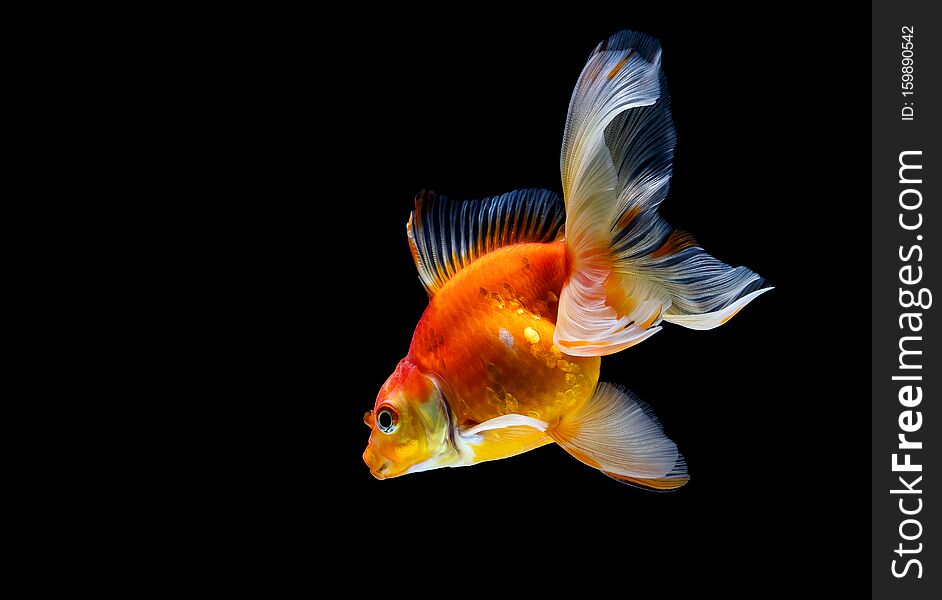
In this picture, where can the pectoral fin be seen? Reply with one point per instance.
(502, 437)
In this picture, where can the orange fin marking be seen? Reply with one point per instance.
(651, 321)
(675, 242)
(621, 63)
(628, 217)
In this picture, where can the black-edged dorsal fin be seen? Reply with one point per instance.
(446, 235)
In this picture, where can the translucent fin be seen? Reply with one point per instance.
(504, 421)
(446, 235)
(618, 434)
(622, 73)
(661, 484)
(630, 269)
(502, 437)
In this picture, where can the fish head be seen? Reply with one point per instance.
(410, 425)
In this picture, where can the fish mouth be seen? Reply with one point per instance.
(382, 472)
(379, 466)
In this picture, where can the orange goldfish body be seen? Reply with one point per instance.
(528, 291)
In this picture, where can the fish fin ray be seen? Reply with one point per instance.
(630, 269)
(617, 433)
(503, 437)
(447, 235)
(659, 484)
(505, 421)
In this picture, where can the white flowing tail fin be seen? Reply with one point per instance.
(629, 269)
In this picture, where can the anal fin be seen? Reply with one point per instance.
(660, 484)
(617, 433)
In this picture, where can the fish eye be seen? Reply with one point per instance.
(387, 420)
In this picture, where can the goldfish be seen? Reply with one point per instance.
(527, 291)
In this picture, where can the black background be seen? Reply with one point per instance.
(770, 409)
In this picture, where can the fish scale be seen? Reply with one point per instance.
(514, 289)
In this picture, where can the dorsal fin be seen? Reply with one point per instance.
(446, 235)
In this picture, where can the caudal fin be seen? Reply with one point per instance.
(618, 434)
(630, 269)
